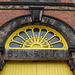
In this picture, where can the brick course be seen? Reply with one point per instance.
(6, 15)
(66, 1)
(5, 0)
(66, 16)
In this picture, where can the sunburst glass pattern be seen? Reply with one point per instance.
(36, 37)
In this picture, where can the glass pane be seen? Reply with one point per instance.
(43, 32)
(54, 39)
(16, 38)
(29, 32)
(14, 44)
(49, 35)
(58, 45)
(22, 34)
(36, 31)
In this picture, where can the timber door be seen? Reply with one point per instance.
(51, 68)
(19, 68)
(37, 68)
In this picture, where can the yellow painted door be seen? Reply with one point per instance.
(37, 68)
(19, 68)
(53, 68)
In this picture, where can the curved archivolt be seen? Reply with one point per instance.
(36, 37)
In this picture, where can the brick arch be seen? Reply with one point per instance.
(17, 22)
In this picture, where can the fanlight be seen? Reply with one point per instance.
(36, 36)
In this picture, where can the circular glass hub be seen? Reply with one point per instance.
(36, 36)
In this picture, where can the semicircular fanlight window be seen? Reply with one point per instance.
(36, 36)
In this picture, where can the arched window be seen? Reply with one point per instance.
(36, 36)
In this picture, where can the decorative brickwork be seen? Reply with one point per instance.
(62, 26)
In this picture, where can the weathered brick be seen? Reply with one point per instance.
(66, 1)
(66, 16)
(6, 15)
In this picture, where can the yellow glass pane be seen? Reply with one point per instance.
(18, 68)
(48, 68)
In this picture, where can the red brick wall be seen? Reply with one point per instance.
(66, 1)
(66, 16)
(4, 0)
(6, 15)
